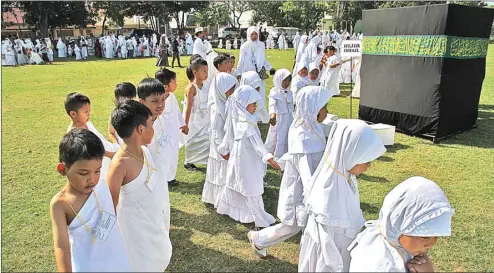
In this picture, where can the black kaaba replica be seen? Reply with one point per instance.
(423, 67)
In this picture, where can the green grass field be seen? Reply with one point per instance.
(34, 120)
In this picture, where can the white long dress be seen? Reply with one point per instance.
(10, 54)
(242, 197)
(331, 76)
(173, 120)
(143, 219)
(200, 48)
(62, 49)
(77, 51)
(197, 140)
(147, 48)
(189, 44)
(108, 48)
(108, 255)
(228, 45)
(281, 42)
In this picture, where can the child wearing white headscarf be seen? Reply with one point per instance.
(299, 78)
(314, 75)
(281, 113)
(221, 88)
(414, 209)
(241, 198)
(252, 79)
(77, 51)
(332, 201)
(301, 47)
(306, 142)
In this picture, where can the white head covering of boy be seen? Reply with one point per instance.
(416, 207)
(221, 84)
(244, 124)
(305, 135)
(334, 197)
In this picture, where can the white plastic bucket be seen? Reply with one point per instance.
(385, 132)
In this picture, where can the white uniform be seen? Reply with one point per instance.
(281, 42)
(217, 166)
(298, 82)
(331, 76)
(333, 202)
(77, 51)
(200, 48)
(142, 218)
(62, 48)
(109, 255)
(242, 196)
(252, 79)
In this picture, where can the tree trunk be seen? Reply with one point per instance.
(61, 35)
(103, 25)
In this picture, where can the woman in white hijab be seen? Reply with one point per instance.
(300, 78)
(108, 47)
(221, 89)
(8, 48)
(228, 45)
(280, 112)
(241, 198)
(301, 47)
(306, 142)
(313, 78)
(331, 70)
(252, 57)
(296, 41)
(252, 79)
(413, 215)
(332, 200)
(20, 49)
(62, 49)
(311, 53)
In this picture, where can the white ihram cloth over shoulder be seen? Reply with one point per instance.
(252, 79)
(332, 202)
(197, 140)
(172, 122)
(217, 166)
(280, 103)
(108, 255)
(298, 82)
(305, 150)
(416, 207)
(142, 218)
(242, 197)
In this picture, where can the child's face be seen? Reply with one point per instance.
(286, 82)
(230, 92)
(148, 131)
(251, 108)
(201, 73)
(83, 175)
(323, 113)
(303, 73)
(224, 66)
(232, 63)
(82, 115)
(417, 245)
(155, 103)
(359, 168)
(314, 74)
(172, 86)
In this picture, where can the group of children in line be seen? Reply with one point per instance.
(114, 212)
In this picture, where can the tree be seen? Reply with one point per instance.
(304, 14)
(80, 14)
(267, 12)
(179, 9)
(157, 13)
(8, 8)
(237, 8)
(212, 14)
(113, 10)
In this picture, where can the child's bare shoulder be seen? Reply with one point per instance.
(58, 204)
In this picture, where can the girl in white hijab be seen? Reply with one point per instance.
(332, 200)
(300, 78)
(62, 48)
(311, 53)
(221, 89)
(313, 78)
(280, 112)
(413, 215)
(306, 142)
(252, 79)
(241, 199)
(77, 51)
(301, 47)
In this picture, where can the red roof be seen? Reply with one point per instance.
(10, 17)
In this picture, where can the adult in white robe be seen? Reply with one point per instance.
(217, 165)
(220, 45)
(242, 197)
(70, 51)
(84, 46)
(298, 81)
(324, 40)
(228, 45)
(9, 53)
(296, 41)
(49, 49)
(199, 45)
(147, 49)
(252, 79)
(137, 51)
(108, 47)
(330, 77)
(332, 200)
(306, 142)
(154, 43)
(197, 140)
(142, 218)
(107, 255)
(189, 43)
(235, 43)
(417, 207)
(252, 58)
(123, 46)
(77, 52)
(281, 41)
(4, 61)
(62, 49)
(311, 51)
(19, 49)
(280, 102)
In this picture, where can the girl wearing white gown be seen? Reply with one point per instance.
(221, 89)
(306, 142)
(281, 113)
(300, 78)
(330, 78)
(220, 45)
(77, 51)
(313, 78)
(332, 198)
(252, 79)
(242, 197)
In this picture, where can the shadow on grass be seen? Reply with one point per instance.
(190, 257)
(396, 147)
(385, 158)
(369, 208)
(371, 178)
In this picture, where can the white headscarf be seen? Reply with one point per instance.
(221, 84)
(299, 66)
(310, 52)
(312, 67)
(250, 78)
(257, 47)
(333, 199)
(243, 122)
(416, 207)
(278, 92)
(305, 135)
(301, 46)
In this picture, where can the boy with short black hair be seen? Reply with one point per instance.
(196, 115)
(123, 91)
(222, 63)
(173, 123)
(139, 194)
(86, 238)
